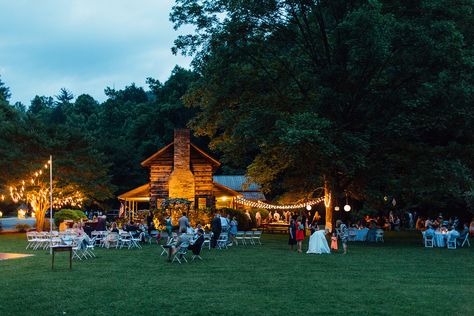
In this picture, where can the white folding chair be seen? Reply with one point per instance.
(89, 250)
(240, 236)
(222, 241)
(451, 242)
(125, 239)
(257, 235)
(31, 240)
(112, 239)
(77, 249)
(135, 241)
(465, 241)
(180, 254)
(248, 236)
(207, 241)
(429, 241)
(379, 235)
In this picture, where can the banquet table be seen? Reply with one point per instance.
(358, 234)
(440, 239)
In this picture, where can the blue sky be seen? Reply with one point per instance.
(84, 45)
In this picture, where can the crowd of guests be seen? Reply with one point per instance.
(297, 234)
(285, 217)
(453, 227)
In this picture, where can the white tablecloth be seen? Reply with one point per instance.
(439, 239)
(358, 234)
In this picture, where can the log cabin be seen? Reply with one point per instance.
(183, 170)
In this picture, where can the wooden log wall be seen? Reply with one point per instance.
(161, 168)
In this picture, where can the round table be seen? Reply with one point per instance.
(440, 239)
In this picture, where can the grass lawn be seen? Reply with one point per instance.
(399, 277)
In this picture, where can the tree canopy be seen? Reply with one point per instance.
(373, 96)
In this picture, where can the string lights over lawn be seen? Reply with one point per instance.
(259, 204)
(35, 191)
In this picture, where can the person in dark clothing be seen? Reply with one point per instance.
(195, 247)
(292, 232)
(101, 222)
(149, 222)
(216, 230)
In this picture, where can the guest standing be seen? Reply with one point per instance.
(183, 222)
(216, 230)
(233, 228)
(292, 233)
(343, 234)
(299, 233)
(169, 226)
(149, 222)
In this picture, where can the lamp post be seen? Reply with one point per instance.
(51, 202)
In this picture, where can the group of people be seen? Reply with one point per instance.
(317, 242)
(223, 224)
(183, 239)
(274, 217)
(452, 228)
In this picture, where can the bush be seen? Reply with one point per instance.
(22, 227)
(62, 215)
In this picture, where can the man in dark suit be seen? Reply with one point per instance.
(216, 230)
(195, 247)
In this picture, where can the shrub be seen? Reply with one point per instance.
(62, 215)
(22, 227)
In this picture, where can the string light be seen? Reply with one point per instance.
(327, 201)
(37, 196)
(260, 204)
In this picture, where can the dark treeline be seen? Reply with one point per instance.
(373, 98)
(96, 145)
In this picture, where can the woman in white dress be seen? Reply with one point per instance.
(318, 243)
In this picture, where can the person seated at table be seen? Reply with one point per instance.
(198, 227)
(276, 216)
(189, 230)
(113, 228)
(131, 227)
(430, 232)
(195, 245)
(182, 241)
(77, 228)
(428, 223)
(463, 233)
(453, 233)
(396, 223)
(420, 224)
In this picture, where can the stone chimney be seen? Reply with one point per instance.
(181, 181)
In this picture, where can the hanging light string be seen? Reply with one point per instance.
(259, 204)
(20, 192)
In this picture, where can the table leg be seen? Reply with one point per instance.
(52, 262)
(70, 259)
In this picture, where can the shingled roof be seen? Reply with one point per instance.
(241, 184)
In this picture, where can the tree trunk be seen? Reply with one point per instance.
(328, 203)
(39, 220)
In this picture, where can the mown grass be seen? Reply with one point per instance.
(399, 277)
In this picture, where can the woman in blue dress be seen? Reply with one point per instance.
(233, 228)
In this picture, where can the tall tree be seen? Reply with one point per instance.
(367, 98)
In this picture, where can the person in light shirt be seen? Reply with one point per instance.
(429, 232)
(258, 218)
(276, 216)
(453, 232)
